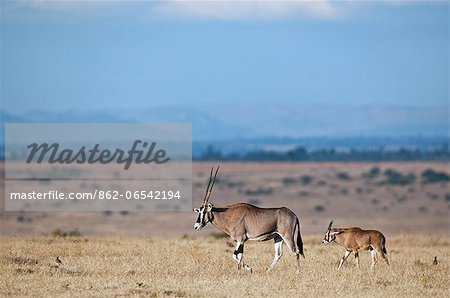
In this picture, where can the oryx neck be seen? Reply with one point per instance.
(217, 217)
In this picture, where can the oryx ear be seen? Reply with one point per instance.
(209, 207)
(196, 210)
(336, 232)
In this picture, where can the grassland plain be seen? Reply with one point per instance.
(202, 266)
(390, 196)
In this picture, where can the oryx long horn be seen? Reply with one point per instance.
(210, 185)
(329, 226)
(207, 187)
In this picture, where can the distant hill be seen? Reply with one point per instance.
(243, 127)
(225, 121)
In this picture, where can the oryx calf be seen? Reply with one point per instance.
(354, 239)
(244, 222)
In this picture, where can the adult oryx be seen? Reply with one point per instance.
(244, 222)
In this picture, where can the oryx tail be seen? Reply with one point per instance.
(298, 240)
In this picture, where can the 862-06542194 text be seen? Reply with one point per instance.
(99, 195)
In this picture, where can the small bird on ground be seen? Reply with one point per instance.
(435, 261)
(58, 261)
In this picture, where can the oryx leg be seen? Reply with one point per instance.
(347, 253)
(278, 251)
(291, 244)
(383, 256)
(238, 256)
(373, 253)
(357, 259)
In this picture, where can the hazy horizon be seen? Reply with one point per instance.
(250, 121)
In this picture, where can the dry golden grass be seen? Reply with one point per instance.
(127, 266)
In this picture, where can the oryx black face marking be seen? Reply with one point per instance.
(329, 236)
(203, 216)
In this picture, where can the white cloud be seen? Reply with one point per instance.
(243, 10)
(35, 10)
(230, 10)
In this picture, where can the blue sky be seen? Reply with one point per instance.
(134, 55)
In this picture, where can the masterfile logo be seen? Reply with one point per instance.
(53, 154)
(98, 167)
